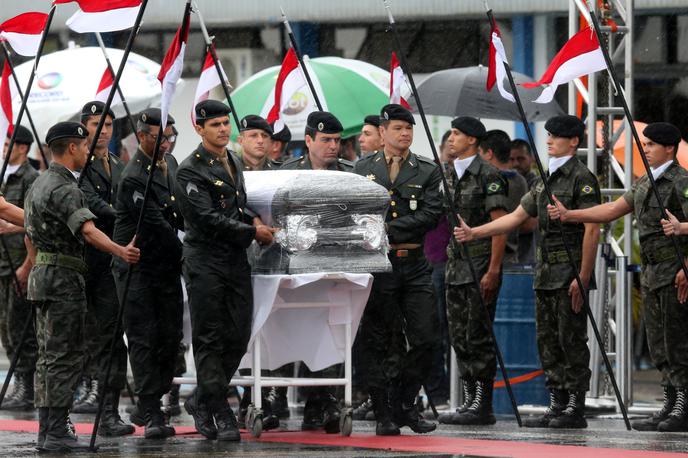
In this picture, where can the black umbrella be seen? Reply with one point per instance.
(462, 92)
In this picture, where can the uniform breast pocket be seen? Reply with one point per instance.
(15, 196)
(653, 209)
(411, 197)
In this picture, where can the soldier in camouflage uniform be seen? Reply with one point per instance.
(404, 298)
(14, 310)
(561, 323)
(58, 222)
(664, 285)
(254, 138)
(480, 194)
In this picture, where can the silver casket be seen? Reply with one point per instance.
(329, 222)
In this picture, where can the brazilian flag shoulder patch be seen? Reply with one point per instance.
(685, 193)
(587, 189)
(494, 187)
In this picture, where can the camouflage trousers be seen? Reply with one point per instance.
(60, 335)
(562, 337)
(469, 331)
(14, 311)
(667, 337)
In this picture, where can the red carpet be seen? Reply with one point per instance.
(410, 443)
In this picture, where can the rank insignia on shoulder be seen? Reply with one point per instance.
(219, 182)
(371, 177)
(418, 186)
(685, 193)
(191, 187)
(413, 204)
(137, 196)
(587, 189)
(493, 187)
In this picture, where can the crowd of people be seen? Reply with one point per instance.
(93, 235)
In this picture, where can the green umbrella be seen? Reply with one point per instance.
(350, 89)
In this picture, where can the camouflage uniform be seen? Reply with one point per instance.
(55, 212)
(665, 317)
(14, 311)
(517, 189)
(561, 333)
(481, 190)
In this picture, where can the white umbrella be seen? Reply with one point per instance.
(68, 79)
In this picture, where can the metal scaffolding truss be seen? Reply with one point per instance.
(611, 302)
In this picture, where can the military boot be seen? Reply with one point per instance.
(111, 424)
(331, 414)
(136, 416)
(406, 413)
(677, 420)
(227, 425)
(480, 410)
(89, 404)
(573, 415)
(651, 423)
(203, 420)
(312, 414)
(451, 418)
(82, 390)
(43, 413)
(22, 395)
(360, 413)
(557, 404)
(59, 437)
(380, 404)
(173, 408)
(278, 401)
(156, 427)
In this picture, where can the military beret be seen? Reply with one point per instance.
(663, 133)
(566, 126)
(373, 120)
(325, 122)
(283, 135)
(96, 108)
(469, 126)
(23, 136)
(251, 122)
(395, 112)
(151, 116)
(66, 129)
(209, 109)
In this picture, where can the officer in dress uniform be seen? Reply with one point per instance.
(404, 298)
(254, 138)
(663, 283)
(153, 311)
(561, 324)
(58, 222)
(212, 197)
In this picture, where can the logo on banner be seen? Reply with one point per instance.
(50, 80)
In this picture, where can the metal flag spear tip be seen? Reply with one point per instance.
(567, 248)
(455, 217)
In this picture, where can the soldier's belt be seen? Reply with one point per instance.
(658, 255)
(559, 256)
(61, 260)
(413, 253)
(475, 250)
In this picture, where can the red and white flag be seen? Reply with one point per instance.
(289, 81)
(6, 126)
(207, 82)
(24, 32)
(106, 85)
(102, 15)
(172, 66)
(495, 70)
(396, 81)
(580, 56)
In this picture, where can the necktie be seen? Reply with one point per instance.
(224, 159)
(106, 164)
(394, 168)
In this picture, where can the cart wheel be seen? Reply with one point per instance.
(346, 422)
(257, 427)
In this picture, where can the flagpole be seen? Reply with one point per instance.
(292, 38)
(567, 248)
(139, 223)
(39, 143)
(211, 49)
(25, 97)
(119, 89)
(634, 133)
(111, 95)
(454, 215)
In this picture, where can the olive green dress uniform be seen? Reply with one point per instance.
(561, 333)
(216, 269)
(304, 163)
(14, 311)
(481, 190)
(268, 165)
(665, 316)
(153, 312)
(100, 188)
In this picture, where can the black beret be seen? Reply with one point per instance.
(283, 135)
(325, 122)
(469, 126)
(566, 126)
(395, 112)
(96, 108)
(66, 129)
(663, 133)
(151, 116)
(23, 136)
(251, 122)
(209, 109)
(373, 120)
